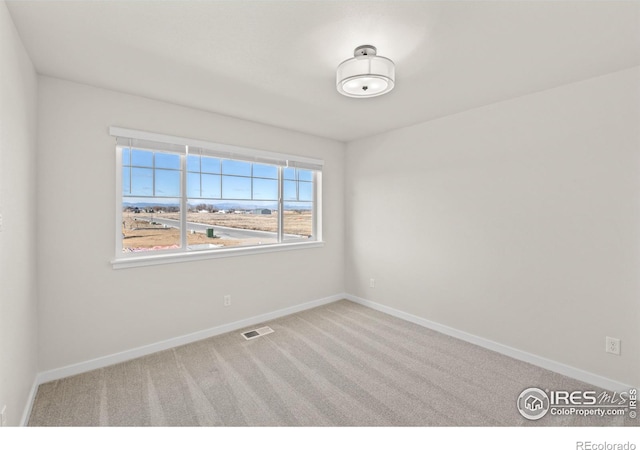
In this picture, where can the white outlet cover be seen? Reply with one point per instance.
(612, 345)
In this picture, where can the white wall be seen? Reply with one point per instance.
(518, 222)
(18, 313)
(88, 309)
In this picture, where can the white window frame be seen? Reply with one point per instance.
(125, 260)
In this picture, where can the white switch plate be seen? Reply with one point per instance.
(3, 416)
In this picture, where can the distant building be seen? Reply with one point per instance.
(261, 211)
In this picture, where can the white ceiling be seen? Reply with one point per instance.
(274, 61)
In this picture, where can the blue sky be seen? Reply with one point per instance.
(208, 179)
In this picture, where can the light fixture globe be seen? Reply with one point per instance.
(366, 74)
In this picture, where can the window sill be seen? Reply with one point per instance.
(152, 260)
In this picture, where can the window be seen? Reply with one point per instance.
(182, 199)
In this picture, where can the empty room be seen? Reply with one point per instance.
(335, 214)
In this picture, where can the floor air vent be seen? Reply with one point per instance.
(252, 334)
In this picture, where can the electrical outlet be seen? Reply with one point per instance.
(612, 345)
(3, 416)
(227, 300)
(372, 282)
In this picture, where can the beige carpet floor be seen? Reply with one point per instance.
(341, 364)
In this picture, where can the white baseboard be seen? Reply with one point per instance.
(104, 361)
(554, 366)
(29, 406)
(108, 360)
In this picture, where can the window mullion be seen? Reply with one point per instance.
(130, 181)
(280, 204)
(314, 206)
(153, 175)
(200, 172)
(183, 199)
(119, 223)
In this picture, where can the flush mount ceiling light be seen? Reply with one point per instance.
(366, 74)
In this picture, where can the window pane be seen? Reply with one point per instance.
(193, 163)
(193, 184)
(289, 173)
(150, 225)
(298, 220)
(290, 190)
(210, 165)
(167, 183)
(231, 167)
(210, 186)
(305, 175)
(126, 182)
(142, 182)
(264, 171)
(212, 224)
(229, 202)
(126, 157)
(305, 191)
(203, 186)
(265, 189)
(141, 158)
(236, 188)
(167, 161)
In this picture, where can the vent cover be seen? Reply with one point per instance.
(252, 334)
